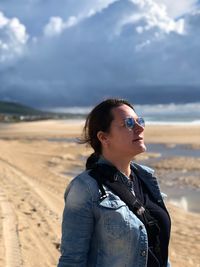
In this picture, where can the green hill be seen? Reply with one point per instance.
(10, 111)
(18, 109)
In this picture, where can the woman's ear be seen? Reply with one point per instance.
(103, 137)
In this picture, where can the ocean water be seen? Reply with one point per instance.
(153, 114)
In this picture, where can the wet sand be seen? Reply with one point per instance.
(36, 165)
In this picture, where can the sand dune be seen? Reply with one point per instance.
(34, 172)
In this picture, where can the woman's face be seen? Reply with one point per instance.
(123, 141)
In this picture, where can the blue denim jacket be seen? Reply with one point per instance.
(103, 233)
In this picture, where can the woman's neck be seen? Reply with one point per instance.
(121, 164)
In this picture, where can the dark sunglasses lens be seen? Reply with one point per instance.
(130, 123)
(141, 121)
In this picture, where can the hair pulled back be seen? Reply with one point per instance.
(99, 119)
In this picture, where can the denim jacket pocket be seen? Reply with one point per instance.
(115, 218)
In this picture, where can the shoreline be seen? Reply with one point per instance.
(76, 120)
(154, 133)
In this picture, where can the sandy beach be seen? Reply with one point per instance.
(37, 161)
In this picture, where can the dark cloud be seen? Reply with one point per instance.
(98, 58)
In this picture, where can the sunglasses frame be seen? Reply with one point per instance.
(130, 122)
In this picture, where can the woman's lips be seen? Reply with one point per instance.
(138, 139)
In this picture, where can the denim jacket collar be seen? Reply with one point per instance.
(123, 178)
(144, 173)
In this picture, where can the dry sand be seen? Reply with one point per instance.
(34, 172)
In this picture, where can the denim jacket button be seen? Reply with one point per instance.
(143, 253)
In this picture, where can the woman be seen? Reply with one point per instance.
(101, 227)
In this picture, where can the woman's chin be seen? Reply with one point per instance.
(141, 149)
(144, 148)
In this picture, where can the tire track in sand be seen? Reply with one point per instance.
(50, 198)
(38, 233)
(38, 196)
(10, 233)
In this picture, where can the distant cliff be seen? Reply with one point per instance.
(14, 112)
(17, 109)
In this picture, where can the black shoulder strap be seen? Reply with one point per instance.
(109, 176)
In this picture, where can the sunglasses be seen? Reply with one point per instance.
(131, 122)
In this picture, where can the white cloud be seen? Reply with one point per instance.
(152, 15)
(151, 21)
(177, 8)
(57, 25)
(54, 27)
(13, 38)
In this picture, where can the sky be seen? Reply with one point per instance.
(67, 53)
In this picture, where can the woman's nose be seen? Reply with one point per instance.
(138, 128)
